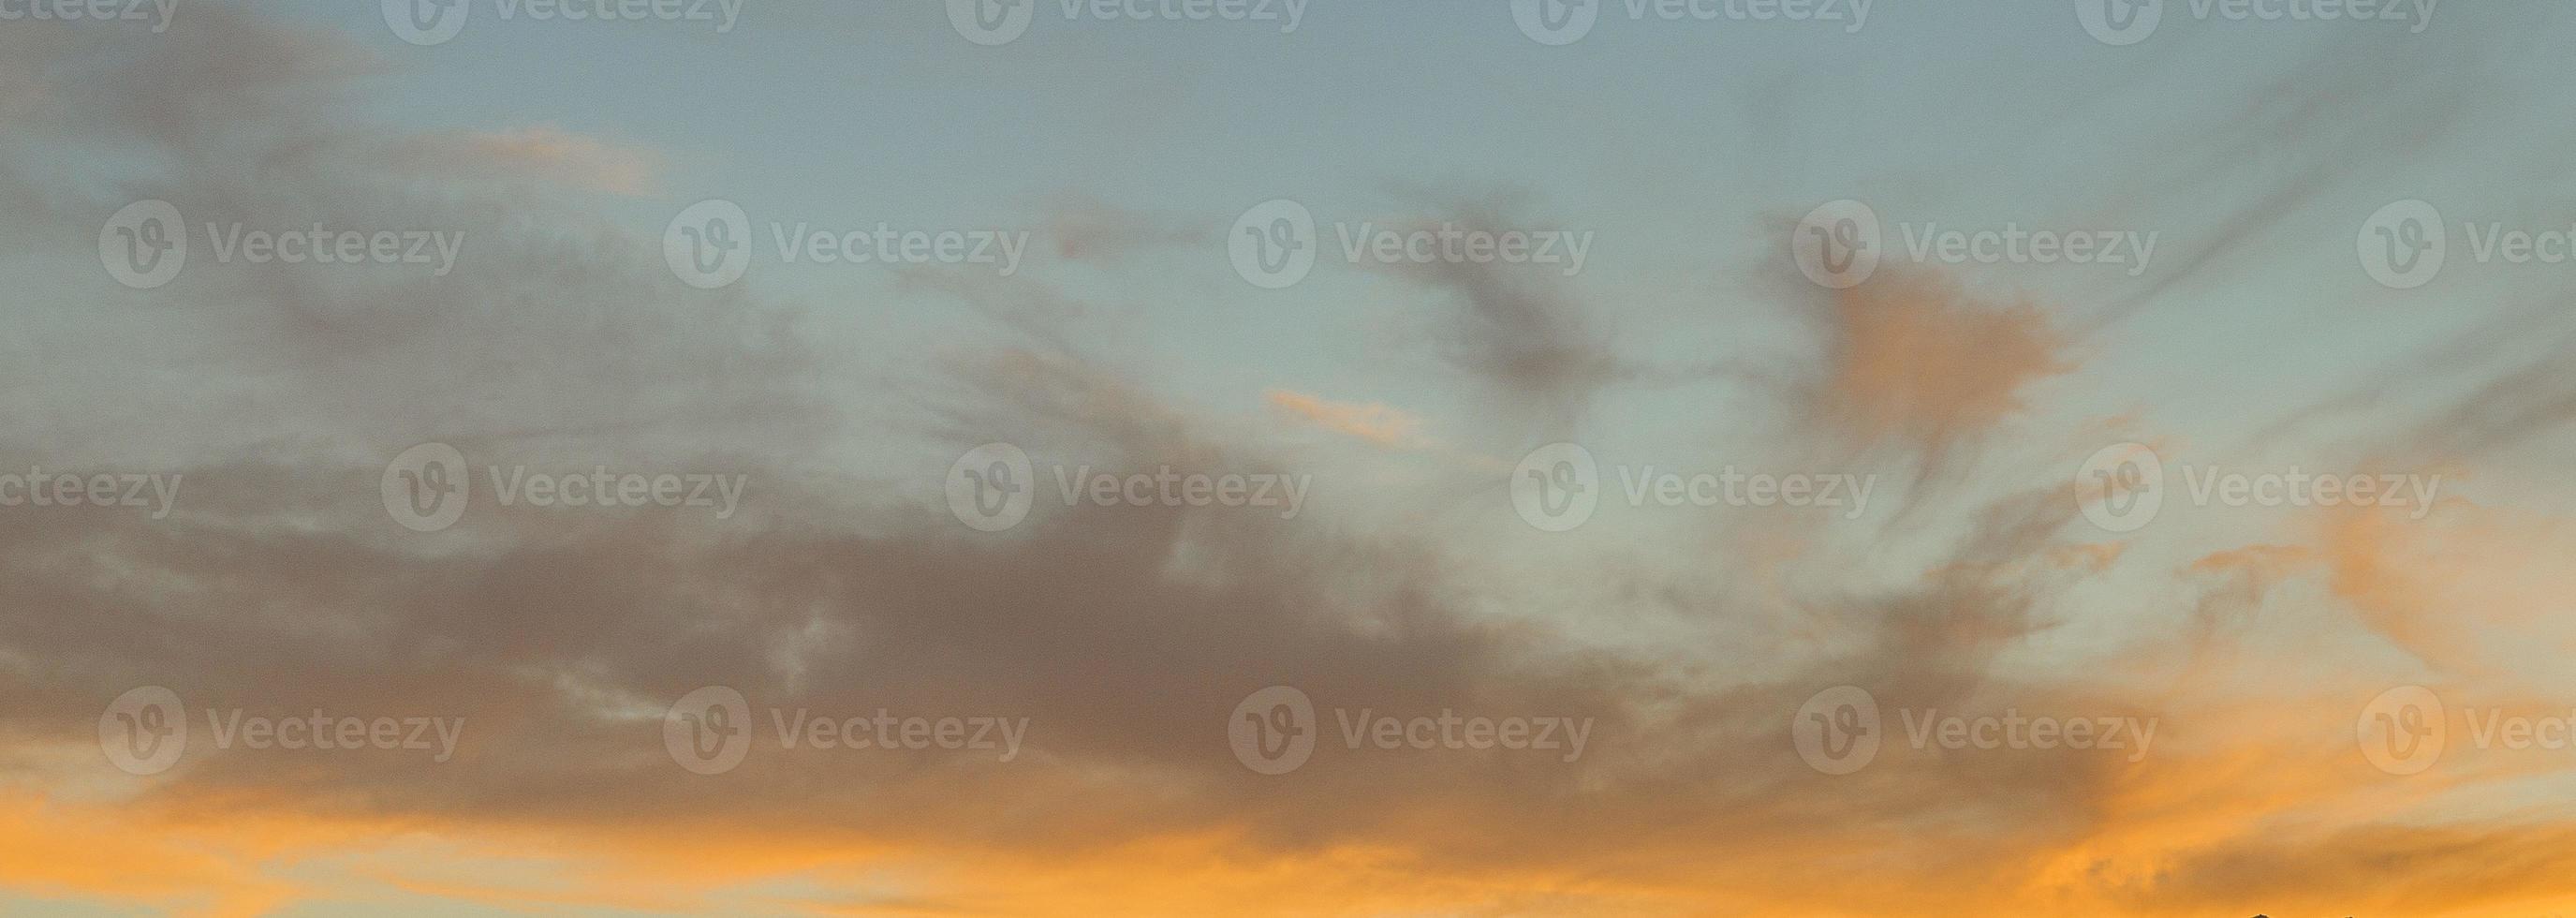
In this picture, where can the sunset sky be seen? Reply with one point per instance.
(1287, 457)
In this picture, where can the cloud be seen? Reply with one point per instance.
(1372, 423)
(543, 151)
(1086, 228)
(1911, 359)
(1538, 354)
(1125, 634)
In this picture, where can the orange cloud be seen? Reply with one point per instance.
(1375, 423)
(543, 151)
(1913, 357)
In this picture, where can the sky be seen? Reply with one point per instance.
(1297, 457)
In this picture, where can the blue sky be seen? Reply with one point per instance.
(1987, 573)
